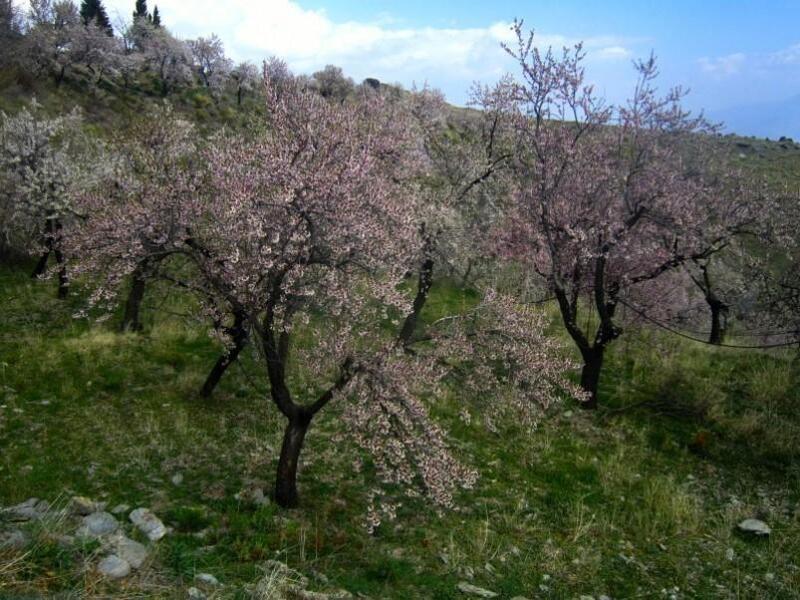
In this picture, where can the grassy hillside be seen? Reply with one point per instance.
(639, 501)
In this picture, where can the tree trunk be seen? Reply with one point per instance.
(286, 480)
(63, 280)
(238, 333)
(130, 320)
(719, 321)
(47, 242)
(590, 375)
(425, 281)
(41, 265)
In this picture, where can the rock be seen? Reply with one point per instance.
(207, 579)
(474, 590)
(754, 527)
(120, 509)
(252, 494)
(83, 506)
(113, 567)
(148, 523)
(13, 540)
(194, 594)
(129, 550)
(30, 510)
(177, 479)
(97, 525)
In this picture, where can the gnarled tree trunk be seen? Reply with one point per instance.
(590, 374)
(424, 283)
(131, 320)
(238, 334)
(719, 320)
(286, 478)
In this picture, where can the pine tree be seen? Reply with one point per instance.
(156, 17)
(140, 10)
(93, 10)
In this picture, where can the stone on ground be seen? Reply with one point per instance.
(207, 579)
(129, 550)
(194, 594)
(148, 524)
(474, 590)
(755, 527)
(97, 525)
(113, 567)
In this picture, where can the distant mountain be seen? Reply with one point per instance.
(767, 119)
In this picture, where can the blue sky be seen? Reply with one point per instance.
(740, 58)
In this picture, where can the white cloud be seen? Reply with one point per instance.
(735, 64)
(787, 56)
(723, 66)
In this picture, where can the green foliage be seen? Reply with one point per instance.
(613, 503)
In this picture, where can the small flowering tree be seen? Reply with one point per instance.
(605, 206)
(46, 163)
(309, 229)
(140, 217)
(166, 57)
(245, 78)
(210, 62)
(307, 221)
(463, 166)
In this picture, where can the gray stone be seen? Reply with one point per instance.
(755, 527)
(207, 579)
(129, 550)
(97, 525)
(148, 523)
(113, 567)
(194, 594)
(252, 494)
(474, 590)
(14, 539)
(177, 479)
(31, 509)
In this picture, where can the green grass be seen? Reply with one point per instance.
(610, 503)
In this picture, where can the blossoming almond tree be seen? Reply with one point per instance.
(46, 163)
(605, 206)
(304, 229)
(309, 226)
(141, 216)
(308, 229)
(462, 171)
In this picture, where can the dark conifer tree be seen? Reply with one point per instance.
(141, 10)
(156, 17)
(93, 10)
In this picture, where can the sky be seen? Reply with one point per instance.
(740, 58)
